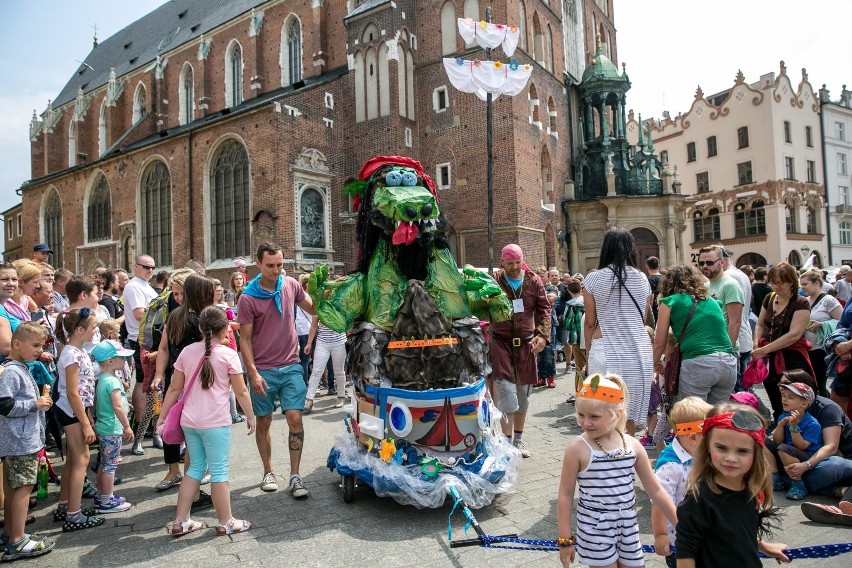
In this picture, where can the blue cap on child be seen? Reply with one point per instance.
(108, 349)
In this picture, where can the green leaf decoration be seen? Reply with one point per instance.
(355, 187)
(594, 382)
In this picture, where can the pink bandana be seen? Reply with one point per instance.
(512, 253)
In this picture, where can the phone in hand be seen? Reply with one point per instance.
(37, 315)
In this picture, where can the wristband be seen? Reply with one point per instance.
(795, 429)
(809, 464)
(564, 542)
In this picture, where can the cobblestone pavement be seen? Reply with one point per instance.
(322, 530)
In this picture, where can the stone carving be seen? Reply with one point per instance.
(312, 159)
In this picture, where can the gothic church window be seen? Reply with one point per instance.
(471, 10)
(156, 212)
(522, 26)
(98, 211)
(72, 143)
(186, 96)
(52, 225)
(233, 75)
(102, 129)
(230, 221)
(291, 51)
(360, 88)
(448, 28)
(139, 103)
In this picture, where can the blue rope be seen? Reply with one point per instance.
(818, 551)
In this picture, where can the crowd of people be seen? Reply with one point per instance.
(106, 358)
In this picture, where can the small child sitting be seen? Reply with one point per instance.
(112, 424)
(798, 435)
(22, 425)
(673, 465)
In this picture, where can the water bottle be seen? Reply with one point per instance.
(43, 478)
(157, 401)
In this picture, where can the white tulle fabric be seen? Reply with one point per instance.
(482, 77)
(490, 35)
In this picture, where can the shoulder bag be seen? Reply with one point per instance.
(172, 433)
(671, 374)
(646, 317)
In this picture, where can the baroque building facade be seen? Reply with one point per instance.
(749, 161)
(197, 132)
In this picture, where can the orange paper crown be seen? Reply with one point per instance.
(606, 394)
(689, 428)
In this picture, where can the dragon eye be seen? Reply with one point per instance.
(393, 179)
(409, 178)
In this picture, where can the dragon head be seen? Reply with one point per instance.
(401, 198)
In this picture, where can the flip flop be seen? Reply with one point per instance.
(826, 514)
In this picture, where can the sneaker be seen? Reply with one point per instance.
(158, 442)
(89, 489)
(269, 484)
(551, 382)
(237, 418)
(540, 382)
(297, 488)
(521, 447)
(647, 442)
(112, 505)
(204, 502)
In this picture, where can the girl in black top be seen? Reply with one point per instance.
(728, 505)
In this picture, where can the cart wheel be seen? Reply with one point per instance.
(348, 488)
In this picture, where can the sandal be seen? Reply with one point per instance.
(89, 523)
(571, 399)
(308, 407)
(180, 528)
(169, 483)
(231, 527)
(340, 403)
(89, 489)
(29, 547)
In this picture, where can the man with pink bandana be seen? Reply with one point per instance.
(515, 343)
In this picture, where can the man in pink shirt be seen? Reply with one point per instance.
(270, 349)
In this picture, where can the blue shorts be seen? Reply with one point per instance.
(210, 449)
(287, 384)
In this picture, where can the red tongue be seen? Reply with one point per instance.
(405, 234)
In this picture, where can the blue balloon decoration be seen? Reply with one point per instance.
(409, 178)
(393, 179)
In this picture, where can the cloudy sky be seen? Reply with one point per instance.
(670, 47)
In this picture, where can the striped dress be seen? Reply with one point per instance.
(626, 343)
(607, 530)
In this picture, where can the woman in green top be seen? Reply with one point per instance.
(708, 366)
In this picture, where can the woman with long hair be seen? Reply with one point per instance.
(181, 329)
(617, 296)
(708, 367)
(825, 313)
(167, 302)
(780, 330)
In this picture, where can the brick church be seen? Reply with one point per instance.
(208, 126)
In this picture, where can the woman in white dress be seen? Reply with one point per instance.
(617, 297)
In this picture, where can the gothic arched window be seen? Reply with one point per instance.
(52, 224)
(233, 75)
(230, 222)
(98, 217)
(138, 103)
(187, 98)
(294, 49)
(155, 201)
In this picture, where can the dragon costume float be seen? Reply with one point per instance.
(407, 286)
(420, 421)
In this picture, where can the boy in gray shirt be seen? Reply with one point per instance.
(22, 424)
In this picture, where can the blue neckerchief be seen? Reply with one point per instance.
(40, 373)
(668, 455)
(255, 291)
(514, 283)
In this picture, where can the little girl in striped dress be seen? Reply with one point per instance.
(602, 461)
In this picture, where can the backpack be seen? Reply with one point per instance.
(573, 318)
(153, 321)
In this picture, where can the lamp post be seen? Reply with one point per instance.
(488, 79)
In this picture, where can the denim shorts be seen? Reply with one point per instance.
(287, 384)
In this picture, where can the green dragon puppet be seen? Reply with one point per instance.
(407, 285)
